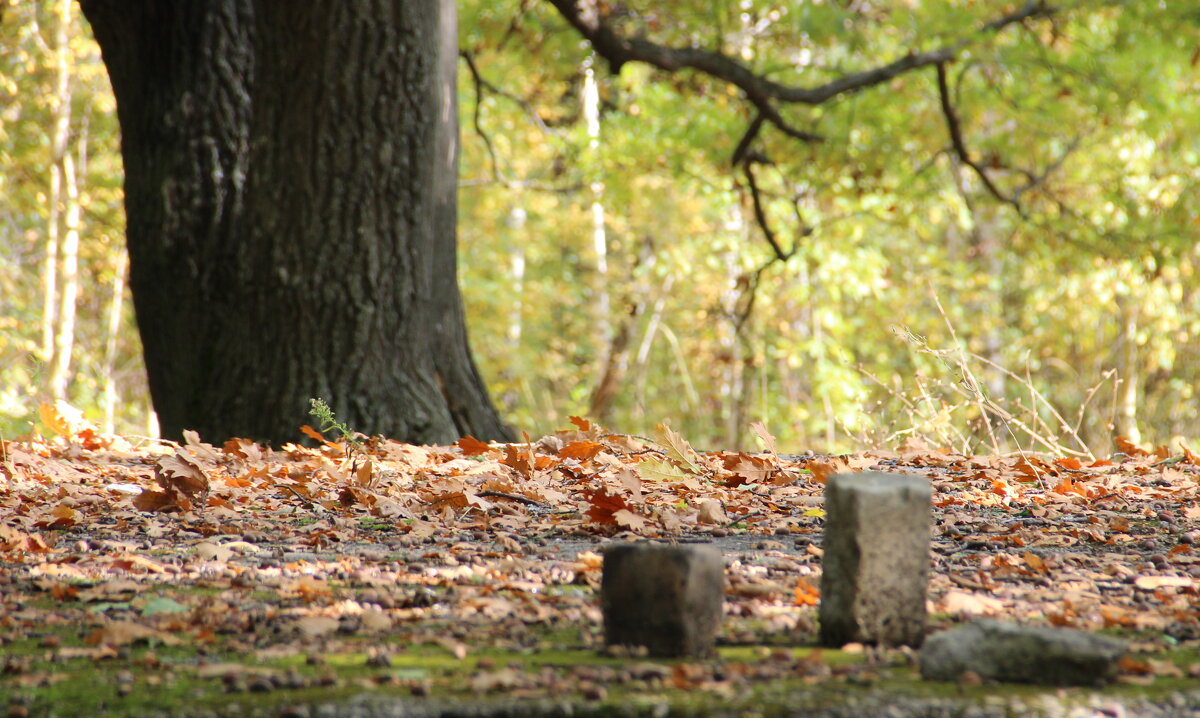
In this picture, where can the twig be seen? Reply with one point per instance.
(513, 497)
(308, 503)
(498, 175)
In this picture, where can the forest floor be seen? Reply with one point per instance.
(142, 577)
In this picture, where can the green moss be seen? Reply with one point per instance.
(166, 682)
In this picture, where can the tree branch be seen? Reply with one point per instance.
(959, 145)
(743, 145)
(956, 139)
(760, 213)
(498, 174)
(619, 50)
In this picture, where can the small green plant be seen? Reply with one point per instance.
(328, 422)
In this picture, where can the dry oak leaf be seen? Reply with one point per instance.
(525, 461)
(603, 506)
(581, 450)
(208, 452)
(711, 512)
(122, 633)
(765, 436)
(472, 447)
(629, 520)
(678, 449)
(181, 473)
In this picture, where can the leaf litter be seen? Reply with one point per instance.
(477, 547)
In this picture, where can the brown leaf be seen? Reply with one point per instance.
(1069, 462)
(51, 420)
(603, 506)
(822, 469)
(181, 473)
(522, 461)
(711, 512)
(1188, 455)
(1125, 446)
(205, 451)
(583, 424)
(156, 501)
(244, 449)
(632, 482)
(747, 469)
(629, 520)
(122, 633)
(472, 446)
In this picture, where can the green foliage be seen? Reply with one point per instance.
(894, 220)
(889, 229)
(328, 422)
(27, 97)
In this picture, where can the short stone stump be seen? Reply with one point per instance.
(664, 597)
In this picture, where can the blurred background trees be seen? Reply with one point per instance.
(1032, 284)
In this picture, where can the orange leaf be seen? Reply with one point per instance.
(1069, 462)
(581, 450)
(822, 470)
(1188, 455)
(1035, 562)
(1126, 446)
(522, 461)
(472, 446)
(807, 594)
(52, 420)
(581, 424)
(312, 433)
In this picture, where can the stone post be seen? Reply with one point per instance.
(875, 568)
(664, 597)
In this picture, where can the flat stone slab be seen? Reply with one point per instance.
(875, 567)
(664, 597)
(1001, 651)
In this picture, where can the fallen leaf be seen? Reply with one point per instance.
(123, 633)
(677, 449)
(629, 519)
(1149, 583)
(711, 512)
(181, 473)
(581, 450)
(603, 506)
(760, 429)
(472, 446)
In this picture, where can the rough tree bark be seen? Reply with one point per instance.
(291, 198)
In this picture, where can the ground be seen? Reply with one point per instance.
(145, 577)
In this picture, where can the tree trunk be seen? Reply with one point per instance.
(64, 337)
(291, 199)
(111, 337)
(60, 136)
